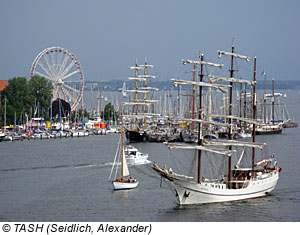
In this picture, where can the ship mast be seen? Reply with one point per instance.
(145, 96)
(145, 77)
(201, 75)
(193, 89)
(194, 94)
(141, 78)
(200, 117)
(230, 136)
(136, 78)
(254, 116)
(136, 94)
(231, 79)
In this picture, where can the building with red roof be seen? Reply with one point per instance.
(3, 84)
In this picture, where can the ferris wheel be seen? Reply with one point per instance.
(62, 68)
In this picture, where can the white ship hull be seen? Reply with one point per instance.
(190, 192)
(124, 185)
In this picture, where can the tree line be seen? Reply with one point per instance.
(33, 98)
(21, 97)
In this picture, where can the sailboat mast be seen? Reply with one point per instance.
(15, 127)
(254, 115)
(4, 113)
(100, 98)
(273, 103)
(265, 111)
(200, 117)
(178, 102)
(122, 144)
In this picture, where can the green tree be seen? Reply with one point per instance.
(41, 91)
(80, 114)
(23, 96)
(109, 113)
(18, 99)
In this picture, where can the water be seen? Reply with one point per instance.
(67, 180)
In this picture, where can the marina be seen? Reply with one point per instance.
(58, 172)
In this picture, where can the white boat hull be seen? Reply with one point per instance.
(190, 192)
(124, 185)
(80, 134)
(137, 160)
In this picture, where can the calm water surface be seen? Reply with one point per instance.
(67, 180)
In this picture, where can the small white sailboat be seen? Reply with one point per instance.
(123, 90)
(125, 181)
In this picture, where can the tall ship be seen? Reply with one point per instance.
(222, 170)
(140, 105)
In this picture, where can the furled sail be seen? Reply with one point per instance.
(247, 58)
(136, 103)
(136, 78)
(142, 115)
(140, 91)
(146, 76)
(136, 67)
(200, 147)
(263, 162)
(217, 79)
(141, 102)
(149, 88)
(233, 143)
(146, 66)
(141, 77)
(199, 121)
(223, 88)
(275, 95)
(202, 62)
(150, 101)
(248, 120)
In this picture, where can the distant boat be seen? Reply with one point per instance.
(278, 117)
(134, 136)
(80, 133)
(139, 107)
(123, 90)
(111, 130)
(125, 182)
(269, 129)
(2, 136)
(134, 156)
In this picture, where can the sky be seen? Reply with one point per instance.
(108, 36)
